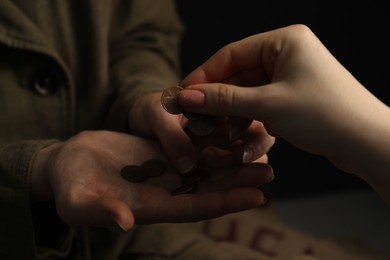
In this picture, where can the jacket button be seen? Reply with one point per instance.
(46, 81)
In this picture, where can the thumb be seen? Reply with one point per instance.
(181, 152)
(120, 213)
(223, 100)
(90, 211)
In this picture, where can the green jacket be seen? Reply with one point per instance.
(68, 66)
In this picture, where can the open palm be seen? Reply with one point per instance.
(89, 190)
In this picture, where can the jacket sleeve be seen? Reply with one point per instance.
(21, 232)
(144, 53)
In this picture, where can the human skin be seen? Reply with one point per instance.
(82, 176)
(247, 139)
(288, 80)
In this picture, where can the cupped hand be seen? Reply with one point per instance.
(147, 118)
(83, 176)
(247, 139)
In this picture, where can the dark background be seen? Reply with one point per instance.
(357, 35)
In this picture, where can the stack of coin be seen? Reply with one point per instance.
(190, 181)
(199, 124)
(156, 167)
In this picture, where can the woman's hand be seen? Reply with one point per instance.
(287, 79)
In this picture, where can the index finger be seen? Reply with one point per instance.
(240, 63)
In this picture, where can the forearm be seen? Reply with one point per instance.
(144, 57)
(374, 163)
(367, 150)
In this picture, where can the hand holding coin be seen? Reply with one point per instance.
(198, 124)
(246, 137)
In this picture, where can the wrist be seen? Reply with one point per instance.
(146, 106)
(42, 165)
(369, 156)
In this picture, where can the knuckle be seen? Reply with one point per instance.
(225, 96)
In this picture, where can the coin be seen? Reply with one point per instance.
(199, 124)
(169, 100)
(202, 127)
(194, 176)
(185, 188)
(193, 116)
(133, 173)
(154, 167)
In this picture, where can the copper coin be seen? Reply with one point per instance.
(154, 167)
(185, 188)
(169, 100)
(194, 176)
(202, 127)
(133, 173)
(193, 116)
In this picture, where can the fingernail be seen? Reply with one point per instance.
(265, 201)
(185, 164)
(207, 153)
(271, 175)
(119, 225)
(122, 227)
(247, 155)
(190, 98)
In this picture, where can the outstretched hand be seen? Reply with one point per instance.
(83, 176)
(288, 80)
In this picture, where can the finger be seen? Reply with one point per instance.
(233, 173)
(119, 213)
(238, 59)
(262, 159)
(237, 127)
(213, 157)
(178, 147)
(102, 212)
(227, 130)
(196, 207)
(247, 175)
(229, 100)
(254, 143)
